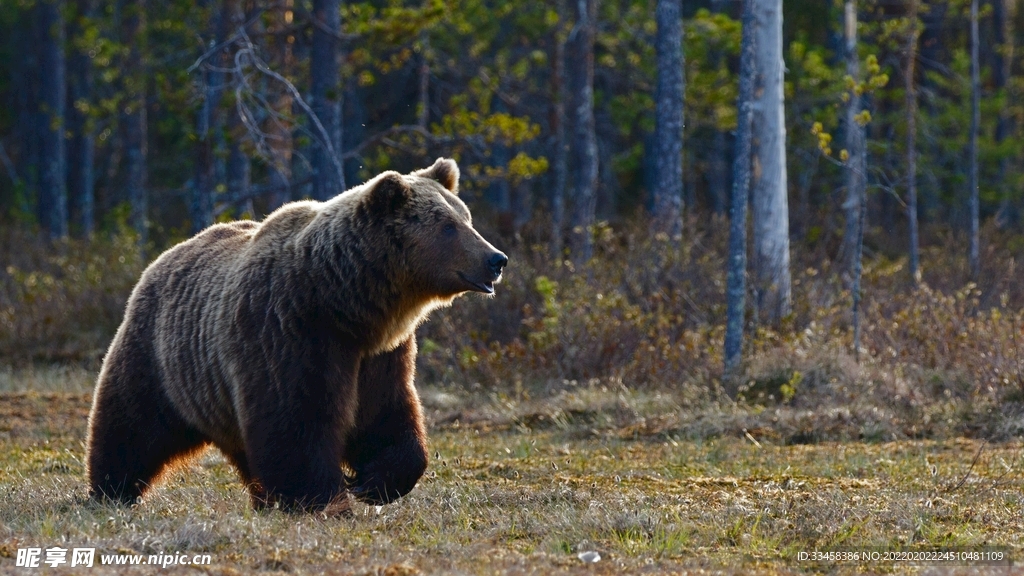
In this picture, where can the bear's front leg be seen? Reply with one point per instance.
(293, 432)
(298, 469)
(387, 449)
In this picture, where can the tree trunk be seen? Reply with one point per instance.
(326, 94)
(522, 205)
(608, 188)
(355, 126)
(1003, 12)
(668, 119)
(933, 54)
(53, 198)
(239, 171)
(423, 108)
(135, 124)
(559, 151)
(82, 145)
(975, 259)
(737, 274)
(770, 202)
(855, 178)
(302, 122)
(855, 206)
(238, 167)
(581, 78)
(226, 21)
(910, 95)
(858, 252)
(499, 191)
(278, 125)
(717, 177)
(25, 84)
(204, 181)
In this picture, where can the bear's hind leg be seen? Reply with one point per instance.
(387, 450)
(134, 432)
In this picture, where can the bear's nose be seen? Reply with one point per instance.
(497, 261)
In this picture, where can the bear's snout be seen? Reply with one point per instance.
(496, 263)
(486, 272)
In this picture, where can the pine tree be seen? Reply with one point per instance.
(326, 94)
(736, 295)
(668, 123)
(53, 198)
(910, 98)
(135, 115)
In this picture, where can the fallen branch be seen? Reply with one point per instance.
(969, 470)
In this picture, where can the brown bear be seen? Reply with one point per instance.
(289, 344)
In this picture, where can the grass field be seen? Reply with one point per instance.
(515, 489)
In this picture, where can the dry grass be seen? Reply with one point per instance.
(583, 410)
(50, 378)
(522, 486)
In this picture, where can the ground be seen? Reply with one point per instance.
(513, 491)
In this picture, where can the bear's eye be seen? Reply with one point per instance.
(449, 228)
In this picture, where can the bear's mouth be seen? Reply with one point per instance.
(485, 287)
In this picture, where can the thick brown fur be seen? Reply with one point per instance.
(289, 344)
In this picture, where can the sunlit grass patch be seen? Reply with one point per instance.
(520, 484)
(49, 378)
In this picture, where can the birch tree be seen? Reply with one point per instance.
(560, 165)
(768, 171)
(581, 78)
(855, 176)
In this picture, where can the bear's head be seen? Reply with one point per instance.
(444, 255)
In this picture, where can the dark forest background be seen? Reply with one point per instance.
(173, 114)
(606, 145)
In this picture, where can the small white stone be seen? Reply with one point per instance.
(589, 557)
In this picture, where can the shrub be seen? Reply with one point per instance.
(944, 357)
(646, 314)
(63, 302)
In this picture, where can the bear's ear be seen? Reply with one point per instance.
(389, 193)
(445, 171)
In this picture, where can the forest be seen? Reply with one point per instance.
(872, 141)
(734, 227)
